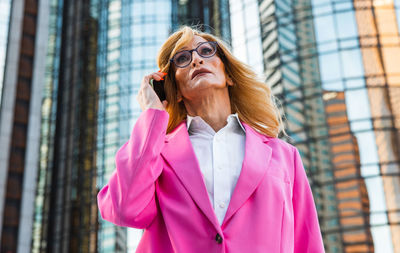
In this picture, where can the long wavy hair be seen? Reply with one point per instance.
(250, 98)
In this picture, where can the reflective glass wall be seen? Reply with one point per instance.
(131, 32)
(108, 119)
(65, 204)
(48, 125)
(245, 29)
(334, 66)
(5, 9)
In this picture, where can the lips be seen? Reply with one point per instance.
(199, 71)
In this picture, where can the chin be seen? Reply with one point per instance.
(204, 83)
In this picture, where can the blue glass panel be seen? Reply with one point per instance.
(346, 24)
(357, 104)
(324, 28)
(352, 64)
(330, 66)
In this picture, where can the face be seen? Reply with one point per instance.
(202, 76)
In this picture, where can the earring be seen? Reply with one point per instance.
(179, 98)
(229, 81)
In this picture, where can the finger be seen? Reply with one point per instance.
(158, 76)
(146, 79)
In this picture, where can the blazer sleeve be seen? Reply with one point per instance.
(128, 199)
(307, 234)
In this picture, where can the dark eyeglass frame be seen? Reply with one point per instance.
(213, 43)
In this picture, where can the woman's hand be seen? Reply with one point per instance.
(147, 97)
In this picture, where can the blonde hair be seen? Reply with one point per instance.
(250, 98)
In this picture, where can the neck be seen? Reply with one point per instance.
(213, 109)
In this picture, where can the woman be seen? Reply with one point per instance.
(204, 172)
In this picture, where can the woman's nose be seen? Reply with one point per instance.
(196, 59)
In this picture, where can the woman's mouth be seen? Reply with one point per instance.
(200, 74)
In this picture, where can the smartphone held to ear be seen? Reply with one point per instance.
(158, 87)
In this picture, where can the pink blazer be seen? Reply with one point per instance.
(158, 186)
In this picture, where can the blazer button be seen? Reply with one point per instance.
(218, 238)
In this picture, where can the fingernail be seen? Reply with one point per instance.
(164, 73)
(162, 79)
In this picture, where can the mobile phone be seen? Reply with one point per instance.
(158, 87)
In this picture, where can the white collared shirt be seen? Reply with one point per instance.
(220, 155)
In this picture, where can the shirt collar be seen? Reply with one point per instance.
(197, 122)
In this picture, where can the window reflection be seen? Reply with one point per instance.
(5, 8)
(330, 67)
(245, 32)
(338, 87)
(346, 24)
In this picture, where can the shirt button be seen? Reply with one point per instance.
(218, 238)
(222, 204)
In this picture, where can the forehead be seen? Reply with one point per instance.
(194, 42)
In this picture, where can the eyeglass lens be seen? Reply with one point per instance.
(184, 58)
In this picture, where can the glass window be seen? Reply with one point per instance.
(5, 7)
(251, 14)
(349, 43)
(361, 125)
(235, 6)
(150, 5)
(357, 104)
(351, 63)
(321, 7)
(355, 83)
(149, 29)
(137, 53)
(237, 27)
(137, 9)
(370, 170)
(346, 24)
(136, 32)
(334, 86)
(367, 149)
(324, 28)
(330, 66)
(382, 239)
(328, 47)
(341, 6)
(254, 45)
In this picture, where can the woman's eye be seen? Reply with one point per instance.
(206, 50)
(182, 58)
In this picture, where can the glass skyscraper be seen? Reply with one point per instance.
(130, 35)
(70, 72)
(5, 8)
(334, 66)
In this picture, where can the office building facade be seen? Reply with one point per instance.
(69, 87)
(332, 65)
(130, 35)
(70, 72)
(23, 46)
(65, 207)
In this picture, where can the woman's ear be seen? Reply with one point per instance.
(178, 96)
(229, 81)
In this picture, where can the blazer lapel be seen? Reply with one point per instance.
(255, 163)
(179, 153)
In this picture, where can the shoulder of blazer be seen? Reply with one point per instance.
(262, 136)
(178, 130)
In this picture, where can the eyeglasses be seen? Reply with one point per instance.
(184, 58)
